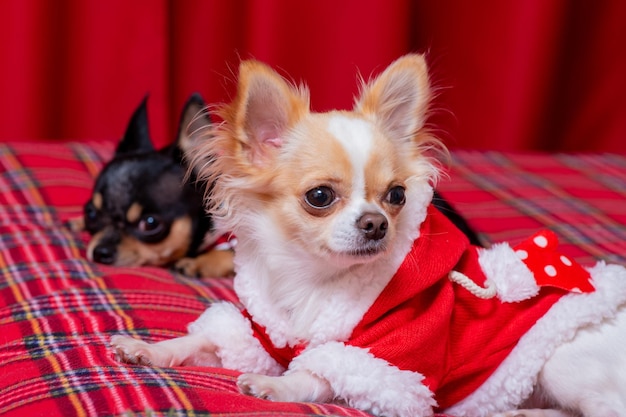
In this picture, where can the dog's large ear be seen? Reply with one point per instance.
(398, 98)
(137, 135)
(266, 106)
(193, 125)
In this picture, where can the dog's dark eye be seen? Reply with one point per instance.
(320, 197)
(150, 225)
(91, 213)
(396, 196)
(92, 218)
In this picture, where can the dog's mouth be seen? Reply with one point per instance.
(364, 253)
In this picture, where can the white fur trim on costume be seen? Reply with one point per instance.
(515, 378)
(366, 382)
(224, 325)
(502, 266)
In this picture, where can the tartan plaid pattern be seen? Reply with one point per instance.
(58, 311)
(509, 197)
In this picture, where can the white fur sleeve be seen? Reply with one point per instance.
(226, 327)
(367, 382)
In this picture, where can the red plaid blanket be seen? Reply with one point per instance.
(508, 197)
(58, 311)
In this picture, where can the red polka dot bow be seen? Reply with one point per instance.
(550, 267)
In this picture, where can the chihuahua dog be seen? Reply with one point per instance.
(356, 289)
(143, 211)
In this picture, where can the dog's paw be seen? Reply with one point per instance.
(137, 352)
(216, 263)
(188, 266)
(294, 387)
(261, 386)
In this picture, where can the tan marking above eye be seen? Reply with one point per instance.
(97, 201)
(134, 213)
(134, 252)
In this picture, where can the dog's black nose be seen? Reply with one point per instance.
(373, 225)
(104, 254)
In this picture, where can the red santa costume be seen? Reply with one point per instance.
(458, 328)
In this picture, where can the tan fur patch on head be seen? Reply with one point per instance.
(315, 158)
(134, 213)
(97, 201)
(387, 167)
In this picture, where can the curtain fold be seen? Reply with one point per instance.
(532, 75)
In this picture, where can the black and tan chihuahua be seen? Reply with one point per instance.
(146, 209)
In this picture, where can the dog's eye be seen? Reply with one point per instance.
(150, 225)
(91, 213)
(92, 218)
(320, 197)
(396, 196)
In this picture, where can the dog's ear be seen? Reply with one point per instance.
(399, 97)
(193, 125)
(266, 106)
(137, 135)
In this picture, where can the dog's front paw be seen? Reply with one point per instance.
(216, 263)
(260, 386)
(137, 352)
(295, 387)
(273, 388)
(189, 267)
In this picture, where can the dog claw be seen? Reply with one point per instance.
(248, 385)
(129, 350)
(216, 263)
(259, 386)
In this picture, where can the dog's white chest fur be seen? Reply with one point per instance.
(304, 304)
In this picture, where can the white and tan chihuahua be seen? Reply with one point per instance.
(355, 289)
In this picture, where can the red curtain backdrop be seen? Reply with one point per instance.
(510, 75)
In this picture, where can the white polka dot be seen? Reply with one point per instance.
(566, 260)
(522, 254)
(541, 241)
(550, 270)
(576, 290)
